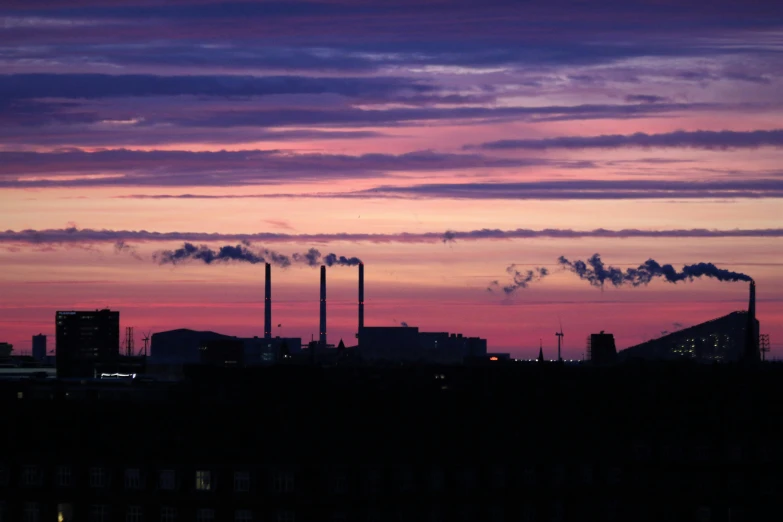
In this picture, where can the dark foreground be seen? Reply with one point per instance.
(494, 443)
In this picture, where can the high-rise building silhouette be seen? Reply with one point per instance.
(86, 341)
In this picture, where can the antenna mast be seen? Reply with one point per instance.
(559, 338)
(129, 341)
(764, 346)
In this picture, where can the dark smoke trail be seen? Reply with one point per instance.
(310, 258)
(520, 279)
(121, 247)
(203, 253)
(313, 258)
(332, 259)
(597, 274)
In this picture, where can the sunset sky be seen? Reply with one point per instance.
(440, 141)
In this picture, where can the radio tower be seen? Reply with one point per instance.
(764, 345)
(129, 341)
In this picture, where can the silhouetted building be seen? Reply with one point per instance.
(719, 340)
(5, 350)
(88, 343)
(407, 343)
(172, 350)
(601, 348)
(223, 352)
(39, 347)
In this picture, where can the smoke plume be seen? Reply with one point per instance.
(521, 279)
(310, 258)
(332, 259)
(597, 273)
(313, 258)
(203, 253)
(121, 247)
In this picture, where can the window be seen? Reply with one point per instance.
(97, 477)
(32, 512)
(337, 483)
(64, 513)
(205, 515)
(285, 515)
(203, 480)
(373, 482)
(168, 514)
(498, 477)
(31, 476)
(243, 515)
(99, 513)
(284, 482)
(134, 514)
(437, 480)
(166, 480)
(132, 478)
(63, 476)
(241, 481)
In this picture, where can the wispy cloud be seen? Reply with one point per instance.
(712, 140)
(74, 235)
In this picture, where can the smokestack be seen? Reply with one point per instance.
(751, 332)
(322, 329)
(268, 303)
(361, 299)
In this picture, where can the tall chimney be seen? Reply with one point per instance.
(751, 332)
(322, 329)
(268, 303)
(361, 300)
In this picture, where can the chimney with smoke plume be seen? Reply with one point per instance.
(751, 330)
(322, 329)
(268, 302)
(361, 300)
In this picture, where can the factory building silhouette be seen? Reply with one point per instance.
(172, 350)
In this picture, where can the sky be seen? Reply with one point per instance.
(457, 148)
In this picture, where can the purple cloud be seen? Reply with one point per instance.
(711, 140)
(74, 235)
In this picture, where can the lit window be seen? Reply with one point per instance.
(31, 476)
(203, 480)
(284, 482)
(132, 478)
(63, 476)
(134, 514)
(205, 515)
(285, 515)
(243, 515)
(32, 512)
(97, 477)
(241, 481)
(166, 480)
(168, 514)
(99, 513)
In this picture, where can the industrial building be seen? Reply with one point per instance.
(171, 350)
(406, 343)
(731, 338)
